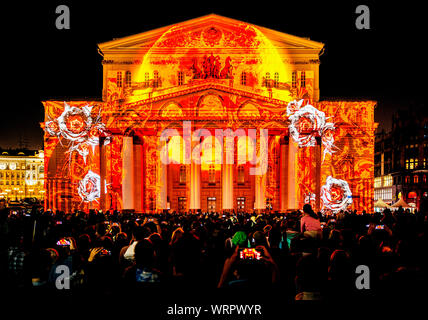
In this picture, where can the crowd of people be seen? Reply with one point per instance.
(302, 254)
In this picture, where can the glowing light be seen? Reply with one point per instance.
(336, 194)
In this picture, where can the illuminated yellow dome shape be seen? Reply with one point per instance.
(171, 110)
(211, 106)
(249, 110)
(176, 49)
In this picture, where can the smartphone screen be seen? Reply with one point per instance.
(249, 254)
(63, 243)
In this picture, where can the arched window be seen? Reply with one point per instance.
(303, 79)
(241, 175)
(155, 79)
(211, 174)
(243, 78)
(182, 174)
(294, 79)
(267, 79)
(127, 78)
(119, 79)
(416, 179)
(180, 77)
(146, 79)
(276, 80)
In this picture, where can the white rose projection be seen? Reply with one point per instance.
(307, 123)
(74, 123)
(336, 194)
(78, 127)
(293, 106)
(89, 187)
(327, 138)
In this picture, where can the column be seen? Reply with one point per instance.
(138, 178)
(318, 175)
(227, 173)
(50, 194)
(195, 178)
(260, 199)
(283, 175)
(260, 177)
(161, 176)
(127, 173)
(55, 195)
(292, 157)
(103, 195)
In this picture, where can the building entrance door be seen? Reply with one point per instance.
(211, 204)
(181, 204)
(241, 204)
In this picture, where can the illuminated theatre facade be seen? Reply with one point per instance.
(210, 114)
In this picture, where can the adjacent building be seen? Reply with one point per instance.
(21, 175)
(401, 166)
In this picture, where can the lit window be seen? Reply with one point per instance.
(387, 181)
(182, 174)
(241, 174)
(267, 78)
(211, 173)
(276, 80)
(407, 179)
(155, 79)
(128, 79)
(146, 79)
(294, 79)
(424, 178)
(243, 78)
(180, 77)
(411, 164)
(378, 182)
(415, 179)
(119, 79)
(303, 79)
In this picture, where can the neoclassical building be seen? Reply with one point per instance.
(210, 114)
(21, 175)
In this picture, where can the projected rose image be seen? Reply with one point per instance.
(89, 187)
(336, 194)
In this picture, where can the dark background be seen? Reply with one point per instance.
(40, 62)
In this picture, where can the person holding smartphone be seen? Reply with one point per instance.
(249, 270)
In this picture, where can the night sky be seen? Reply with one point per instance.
(40, 62)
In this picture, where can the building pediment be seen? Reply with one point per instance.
(204, 103)
(210, 32)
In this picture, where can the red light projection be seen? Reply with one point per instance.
(215, 73)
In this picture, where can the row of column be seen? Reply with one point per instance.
(132, 182)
